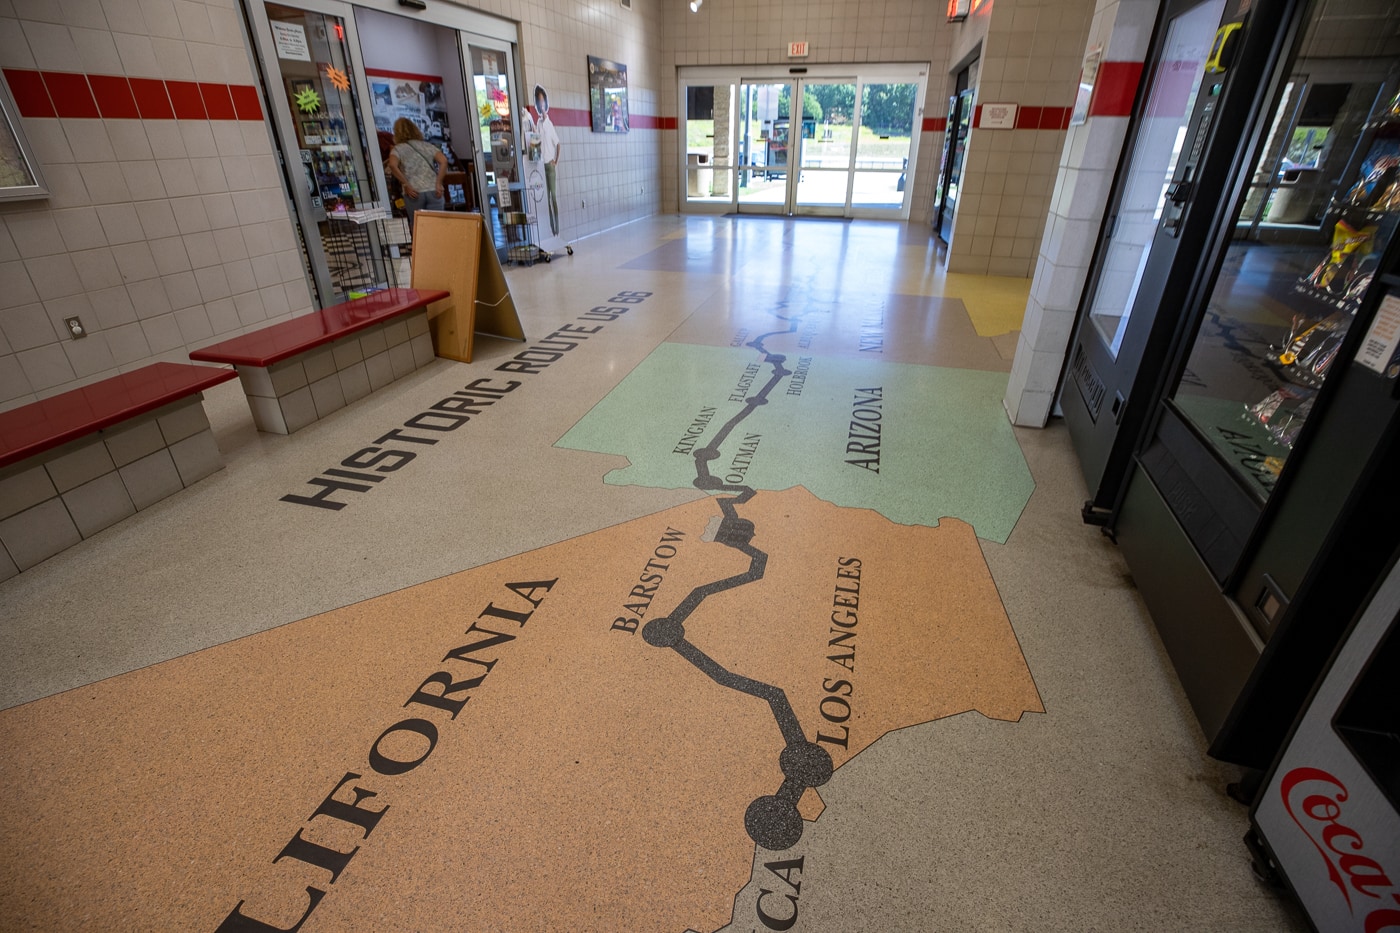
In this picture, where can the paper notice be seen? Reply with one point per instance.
(291, 41)
(1378, 348)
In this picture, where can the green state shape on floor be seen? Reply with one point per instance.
(938, 437)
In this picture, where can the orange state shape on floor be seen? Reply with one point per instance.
(501, 748)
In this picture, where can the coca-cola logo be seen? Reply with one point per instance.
(1314, 799)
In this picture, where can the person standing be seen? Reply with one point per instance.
(419, 167)
(549, 153)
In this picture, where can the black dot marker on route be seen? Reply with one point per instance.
(806, 763)
(663, 633)
(773, 823)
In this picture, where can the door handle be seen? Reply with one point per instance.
(1179, 193)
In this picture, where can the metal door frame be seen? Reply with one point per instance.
(945, 217)
(284, 129)
(520, 98)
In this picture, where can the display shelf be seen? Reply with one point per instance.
(1339, 208)
(1322, 297)
(1388, 122)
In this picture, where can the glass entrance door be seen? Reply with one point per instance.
(884, 145)
(836, 146)
(306, 49)
(765, 147)
(825, 147)
(499, 161)
(710, 149)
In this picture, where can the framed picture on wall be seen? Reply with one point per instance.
(607, 95)
(19, 170)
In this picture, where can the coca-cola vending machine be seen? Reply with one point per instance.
(1326, 820)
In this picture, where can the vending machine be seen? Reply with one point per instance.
(1246, 461)
(1326, 823)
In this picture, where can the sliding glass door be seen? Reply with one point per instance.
(315, 90)
(833, 145)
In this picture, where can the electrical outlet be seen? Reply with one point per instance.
(75, 328)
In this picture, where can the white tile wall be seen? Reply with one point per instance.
(111, 243)
(1087, 162)
(1032, 52)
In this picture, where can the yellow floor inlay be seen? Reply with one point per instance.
(996, 304)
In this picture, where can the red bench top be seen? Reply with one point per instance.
(278, 342)
(45, 424)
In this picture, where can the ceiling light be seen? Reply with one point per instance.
(695, 5)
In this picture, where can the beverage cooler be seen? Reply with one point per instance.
(1327, 823)
(1238, 359)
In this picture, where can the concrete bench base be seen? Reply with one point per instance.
(293, 393)
(53, 500)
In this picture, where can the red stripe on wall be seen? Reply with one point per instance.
(1032, 118)
(403, 75)
(113, 97)
(1028, 118)
(152, 99)
(218, 102)
(31, 97)
(245, 101)
(637, 121)
(69, 94)
(935, 124)
(563, 117)
(1116, 89)
(184, 96)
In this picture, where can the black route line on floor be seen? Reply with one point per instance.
(771, 821)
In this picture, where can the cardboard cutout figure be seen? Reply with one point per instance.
(542, 150)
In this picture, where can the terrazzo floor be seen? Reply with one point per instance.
(733, 602)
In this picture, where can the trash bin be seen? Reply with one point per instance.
(1290, 205)
(698, 178)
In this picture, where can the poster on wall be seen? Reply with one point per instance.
(540, 171)
(607, 95)
(395, 94)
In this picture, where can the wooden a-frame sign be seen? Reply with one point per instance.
(451, 251)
